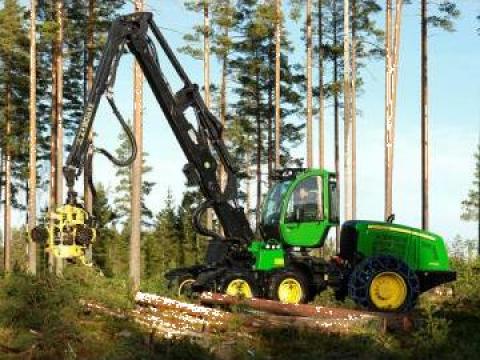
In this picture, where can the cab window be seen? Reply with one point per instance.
(306, 201)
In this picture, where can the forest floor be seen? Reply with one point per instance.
(42, 318)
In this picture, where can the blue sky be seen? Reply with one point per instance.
(454, 120)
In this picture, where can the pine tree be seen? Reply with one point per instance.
(471, 205)
(106, 233)
(254, 109)
(122, 200)
(164, 249)
(443, 19)
(14, 88)
(32, 162)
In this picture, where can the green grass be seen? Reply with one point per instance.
(43, 314)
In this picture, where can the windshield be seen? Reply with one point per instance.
(273, 203)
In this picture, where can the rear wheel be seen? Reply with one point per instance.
(384, 283)
(289, 287)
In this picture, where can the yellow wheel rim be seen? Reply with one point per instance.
(239, 287)
(183, 285)
(290, 291)
(388, 291)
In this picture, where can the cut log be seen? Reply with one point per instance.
(162, 327)
(161, 302)
(275, 307)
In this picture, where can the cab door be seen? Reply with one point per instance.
(303, 217)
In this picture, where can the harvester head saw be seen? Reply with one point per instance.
(69, 233)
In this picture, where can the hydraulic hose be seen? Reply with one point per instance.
(130, 137)
(197, 221)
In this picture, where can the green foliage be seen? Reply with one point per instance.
(447, 13)
(14, 82)
(471, 204)
(122, 200)
(44, 315)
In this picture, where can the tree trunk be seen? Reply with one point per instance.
(53, 146)
(353, 109)
(347, 119)
(249, 200)
(388, 110)
(336, 118)
(136, 206)
(424, 118)
(7, 213)
(53, 133)
(259, 150)
(87, 191)
(392, 51)
(223, 105)
(206, 78)
(89, 81)
(321, 96)
(278, 119)
(32, 182)
(59, 114)
(309, 83)
(270, 119)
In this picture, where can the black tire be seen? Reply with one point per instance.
(39, 234)
(279, 277)
(361, 280)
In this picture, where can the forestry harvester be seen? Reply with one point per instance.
(381, 265)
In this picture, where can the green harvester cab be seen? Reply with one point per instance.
(380, 265)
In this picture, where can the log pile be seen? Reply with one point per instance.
(169, 318)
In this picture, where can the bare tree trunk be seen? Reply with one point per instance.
(336, 119)
(7, 213)
(136, 206)
(206, 78)
(53, 133)
(59, 114)
(388, 111)
(270, 119)
(321, 96)
(87, 191)
(278, 119)
(248, 202)
(424, 118)
(32, 182)
(52, 200)
(90, 59)
(309, 83)
(223, 105)
(259, 151)
(392, 51)
(347, 127)
(353, 96)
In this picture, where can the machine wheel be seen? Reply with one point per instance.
(289, 287)
(240, 286)
(184, 285)
(384, 283)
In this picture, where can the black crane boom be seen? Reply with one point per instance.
(202, 144)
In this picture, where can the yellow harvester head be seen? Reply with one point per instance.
(68, 233)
